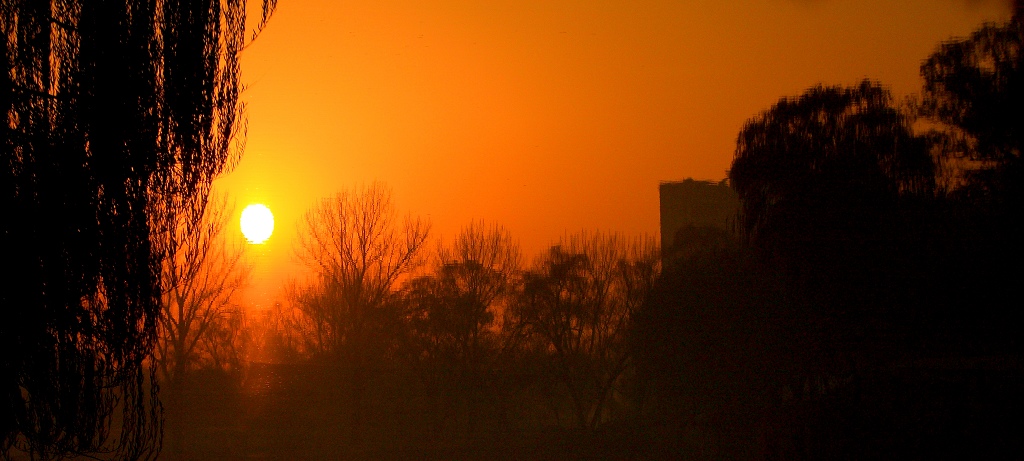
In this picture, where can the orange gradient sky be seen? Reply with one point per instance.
(545, 116)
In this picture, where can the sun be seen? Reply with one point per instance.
(257, 223)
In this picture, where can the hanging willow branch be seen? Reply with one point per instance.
(117, 116)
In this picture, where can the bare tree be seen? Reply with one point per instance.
(203, 273)
(358, 250)
(457, 305)
(454, 312)
(281, 334)
(577, 305)
(200, 322)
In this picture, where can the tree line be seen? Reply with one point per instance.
(464, 328)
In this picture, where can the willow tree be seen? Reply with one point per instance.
(825, 161)
(828, 182)
(117, 116)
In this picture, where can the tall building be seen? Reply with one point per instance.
(696, 203)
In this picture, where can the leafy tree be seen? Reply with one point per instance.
(115, 114)
(974, 98)
(825, 182)
(974, 89)
(830, 185)
(829, 160)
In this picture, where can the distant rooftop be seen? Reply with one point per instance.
(700, 203)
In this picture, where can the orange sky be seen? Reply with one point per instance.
(545, 116)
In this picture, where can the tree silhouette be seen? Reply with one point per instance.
(974, 88)
(828, 159)
(454, 313)
(115, 113)
(708, 345)
(455, 307)
(200, 322)
(973, 96)
(831, 186)
(201, 279)
(358, 252)
(578, 303)
(823, 181)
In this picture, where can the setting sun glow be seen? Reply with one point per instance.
(257, 223)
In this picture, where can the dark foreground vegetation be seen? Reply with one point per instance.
(862, 307)
(117, 115)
